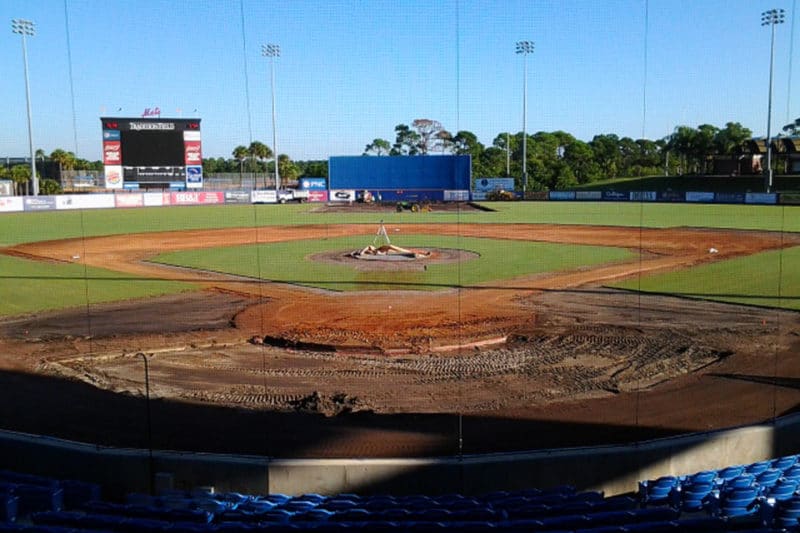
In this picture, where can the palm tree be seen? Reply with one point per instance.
(41, 155)
(65, 160)
(240, 154)
(259, 151)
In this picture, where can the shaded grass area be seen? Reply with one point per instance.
(652, 215)
(740, 184)
(290, 262)
(768, 279)
(28, 286)
(18, 228)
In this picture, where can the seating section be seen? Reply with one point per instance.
(758, 497)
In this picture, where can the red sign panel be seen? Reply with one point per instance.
(192, 153)
(196, 198)
(132, 199)
(112, 152)
(317, 196)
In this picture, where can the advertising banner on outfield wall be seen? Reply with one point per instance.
(38, 203)
(729, 197)
(588, 195)
(196, 198)
(456, 196)
(643, 196)
(671, 196)
(153, 199)
(788, 198)
(562, 195)
(237, 197)
(10, 204)
(761, 198)
(131, 199)
(317, 196)
(615, 196)
(493, 184)
(699, 196)
(341, 195)
(264, 197)
(85, 201)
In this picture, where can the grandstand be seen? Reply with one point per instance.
(760, 496)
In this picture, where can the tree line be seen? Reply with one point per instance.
(257, 157)
(49, 184)
(557, 160)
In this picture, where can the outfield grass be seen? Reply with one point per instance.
(28, 286)
(18, 228)
(289, 262)
(769, 279)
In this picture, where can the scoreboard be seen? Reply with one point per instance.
(152, 153)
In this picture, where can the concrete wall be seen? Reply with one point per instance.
(611, 469)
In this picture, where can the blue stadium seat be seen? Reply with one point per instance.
(730, 472)
(793, 472)
(9, 504)
(659, 491)
(704, 476)
(696, 496)
(782, 490)
(757, 468)
(769, 477)
(784, 463)
(743, 480)
(35, 498)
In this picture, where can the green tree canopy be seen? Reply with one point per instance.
(378, 147)
(288, 170)
(406, 141)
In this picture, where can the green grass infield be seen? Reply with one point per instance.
(768, 279)
(290, 262)
(28, 286)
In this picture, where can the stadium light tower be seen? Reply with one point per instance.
(771, 18)
(272, 51)
(26, 27)
(524, 48)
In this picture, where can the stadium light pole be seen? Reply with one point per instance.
(524, 48)
(272, 51)
(771, 18)
(26, 27)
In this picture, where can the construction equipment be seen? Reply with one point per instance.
(414, 207)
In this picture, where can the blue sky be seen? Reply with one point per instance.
(351, 70)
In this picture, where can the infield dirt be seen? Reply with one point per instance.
(536, 361)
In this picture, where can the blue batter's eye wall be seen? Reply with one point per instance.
(394, 173)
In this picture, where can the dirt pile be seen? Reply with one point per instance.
(336, 404)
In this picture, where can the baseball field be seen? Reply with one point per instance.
(524, 325)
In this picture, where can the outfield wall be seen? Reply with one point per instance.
(610, 469)
(433, 178)
(10, 204)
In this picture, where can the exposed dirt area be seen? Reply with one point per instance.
(537, 361)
